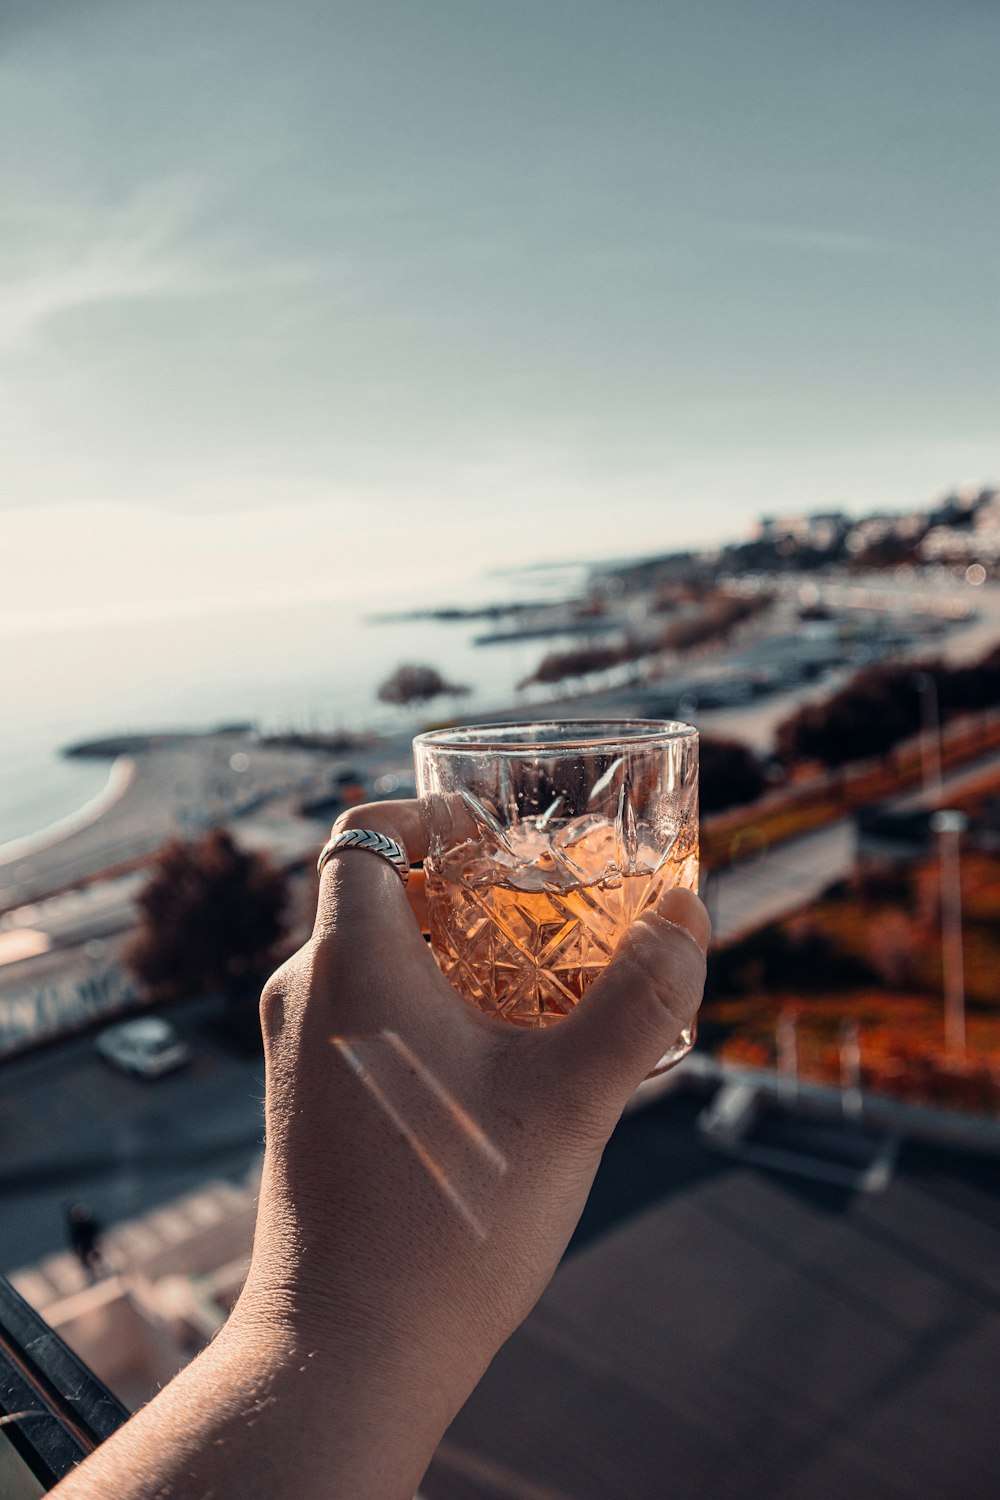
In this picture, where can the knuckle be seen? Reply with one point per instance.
(380, 816)
(353, 817)
(272, 1006)
(274, 1002)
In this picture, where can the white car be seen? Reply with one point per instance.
(148, 1046)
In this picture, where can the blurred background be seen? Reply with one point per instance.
(372, 368)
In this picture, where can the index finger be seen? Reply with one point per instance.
(411, 823)
(359, 888)
(441, 820)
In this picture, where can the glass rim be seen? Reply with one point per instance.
(592, 734)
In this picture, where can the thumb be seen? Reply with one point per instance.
(648, 994)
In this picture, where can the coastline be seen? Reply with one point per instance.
(171, 789)
(167, 783)
(121, 775)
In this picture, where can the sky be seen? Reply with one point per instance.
(320, 301)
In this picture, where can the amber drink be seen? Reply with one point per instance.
(547, 841)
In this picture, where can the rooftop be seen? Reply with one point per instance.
(725, 1330)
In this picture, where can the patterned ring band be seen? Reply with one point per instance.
(376, 843)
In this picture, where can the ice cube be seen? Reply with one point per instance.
(585, 848)
(529, 843)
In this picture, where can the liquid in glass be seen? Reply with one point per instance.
(522, 928)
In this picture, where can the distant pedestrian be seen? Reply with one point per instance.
(83, 1234)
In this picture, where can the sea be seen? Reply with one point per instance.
(314, 666)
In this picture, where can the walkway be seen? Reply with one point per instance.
(776, 882)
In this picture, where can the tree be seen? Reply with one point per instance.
(730, 774)
(874, 711)
(715, 620)
(416, 683)
(210, 915)
(556, 666)
(880, 706)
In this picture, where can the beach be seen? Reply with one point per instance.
(169, 789)
(308, 667)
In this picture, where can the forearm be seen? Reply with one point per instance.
(266, 1412)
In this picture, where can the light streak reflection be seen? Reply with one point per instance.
(454, 1151)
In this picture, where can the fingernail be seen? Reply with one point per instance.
(685, 910)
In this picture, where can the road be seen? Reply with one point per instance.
(86, 913)
(953, 783)
(772, 883)
(166, 792)
(73, 1129)
(106, 907)
(61, 957)
(755, 722)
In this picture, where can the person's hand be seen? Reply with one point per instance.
(426, 1163)
(425, 1167)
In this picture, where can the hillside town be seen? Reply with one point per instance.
(844, 675)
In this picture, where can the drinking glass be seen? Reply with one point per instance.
(546, 841)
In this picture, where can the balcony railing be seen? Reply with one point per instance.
(53, 1410)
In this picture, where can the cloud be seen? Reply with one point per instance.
(90, 256)
(153, 245)
(822, 241)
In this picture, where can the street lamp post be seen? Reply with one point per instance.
(850, 1070)
(788, 1057)
(949, 827)
(930, 732)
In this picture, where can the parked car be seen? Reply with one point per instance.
(147, 1046)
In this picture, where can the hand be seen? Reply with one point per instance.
(426, 1163)
(425, 1167)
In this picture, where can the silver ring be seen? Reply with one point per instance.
(376, 843)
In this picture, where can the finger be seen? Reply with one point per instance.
(440, 821)
(636, 1010)
(402, 820)
(360, 890)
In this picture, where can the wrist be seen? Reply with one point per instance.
(354, 1418)
(394, 1320)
